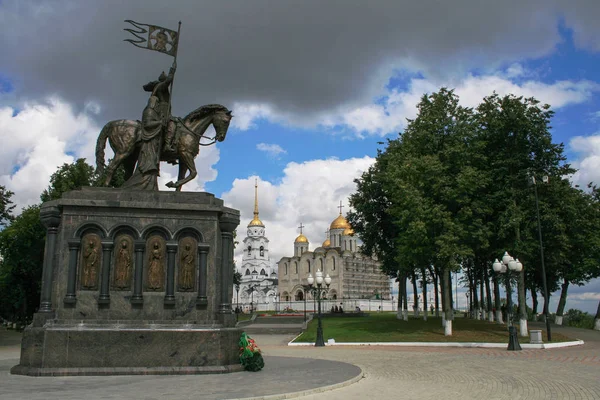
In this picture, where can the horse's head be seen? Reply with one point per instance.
(221, 121)
(217, 115)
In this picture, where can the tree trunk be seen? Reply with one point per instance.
(497, 299)
(447, 294)
(546, 306)
(523, 331)
(434, 273)
(488, 294)
(450, 293)
(424, 294)
(475, 296)
(442, 291)
(534, 300)
(415, 296)
(597, 318)
(405, 295)
(562, 303)
(481, 295)
(400, 297)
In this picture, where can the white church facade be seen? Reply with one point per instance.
(258, 286)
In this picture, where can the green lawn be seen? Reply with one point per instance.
(385, 327)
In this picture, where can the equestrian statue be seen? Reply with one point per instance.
(140, 146)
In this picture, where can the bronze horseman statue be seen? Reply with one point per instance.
(141, 146)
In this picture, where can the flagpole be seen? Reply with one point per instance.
(174, 62)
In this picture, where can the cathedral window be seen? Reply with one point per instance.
(308, 262)
(333, 263)
(340, 240)
(351, 245)
(262, 272)
(321, 264)
(249, 250)
(247, 272)
(286, 269)
(262, 251)
(295, 267)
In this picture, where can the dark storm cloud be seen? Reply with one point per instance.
(301, 57)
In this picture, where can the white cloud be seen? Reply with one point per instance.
(588, 161)
(246, 115)
(274, 150)
(43, 136)
(586, 296)
(309, 193)
(39, 139)
(390, 113)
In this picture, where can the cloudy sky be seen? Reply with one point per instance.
(313, 85)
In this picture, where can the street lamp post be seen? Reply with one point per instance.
(546, 298)
(319, 279)
(509, 264)
(304, 287)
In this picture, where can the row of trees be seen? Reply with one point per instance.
(454, 191)
(22, 240)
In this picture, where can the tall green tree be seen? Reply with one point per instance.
(69, 177)
(22, 249)
(518, 145)
(6, 206)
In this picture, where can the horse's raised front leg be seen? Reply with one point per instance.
(186, 161)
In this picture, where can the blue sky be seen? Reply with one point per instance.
(313, 87)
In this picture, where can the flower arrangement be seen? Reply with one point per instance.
(250, 356)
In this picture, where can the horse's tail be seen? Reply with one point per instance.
(100, 146)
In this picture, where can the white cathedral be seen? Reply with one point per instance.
(258, 285)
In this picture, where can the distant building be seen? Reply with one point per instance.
(353, 275)
(259, 279)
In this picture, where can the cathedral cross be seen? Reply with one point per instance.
(301, 226)
(340, 207)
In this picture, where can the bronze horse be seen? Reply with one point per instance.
(124, 138)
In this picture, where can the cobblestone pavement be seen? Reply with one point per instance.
(468, 373)
(390, 373)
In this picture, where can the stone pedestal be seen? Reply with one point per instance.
(134, 283)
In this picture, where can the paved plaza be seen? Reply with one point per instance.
(384, 372)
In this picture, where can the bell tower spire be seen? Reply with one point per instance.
(256, 221)
(255, 198)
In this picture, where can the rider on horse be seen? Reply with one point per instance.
(160, 89)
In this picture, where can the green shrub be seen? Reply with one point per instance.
(579, 319)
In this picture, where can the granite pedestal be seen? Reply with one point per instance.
(134, 282)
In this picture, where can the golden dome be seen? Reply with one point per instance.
(327, 243)
(340, 223)
(256, 222)
(348, 232)
(301, 239)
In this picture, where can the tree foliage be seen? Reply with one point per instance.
(454, 190)
(23, 239)
(22, 249)
(6, 206)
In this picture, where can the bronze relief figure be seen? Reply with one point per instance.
(123, 264)
(156, 267)
(187, 268)
(90, 262)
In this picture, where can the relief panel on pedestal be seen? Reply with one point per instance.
(90, 262)
(155, 262)
(187, 259)
(122, 263)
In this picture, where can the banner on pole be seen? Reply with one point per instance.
(153, 37)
